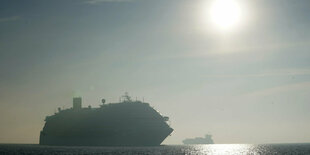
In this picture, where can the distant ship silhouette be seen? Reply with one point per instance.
(199, 140)
(128, 123)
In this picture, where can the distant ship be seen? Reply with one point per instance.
(128, 123)
(199, 140)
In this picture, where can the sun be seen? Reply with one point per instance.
(225, 14)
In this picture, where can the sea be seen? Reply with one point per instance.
(216, 149)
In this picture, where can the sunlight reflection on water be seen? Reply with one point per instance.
(219, 149)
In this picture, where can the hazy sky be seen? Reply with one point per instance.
(248, 85)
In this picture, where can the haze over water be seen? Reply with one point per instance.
(245, 80)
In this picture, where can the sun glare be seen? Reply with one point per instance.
(225, 14)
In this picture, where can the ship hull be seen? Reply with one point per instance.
(154, 138)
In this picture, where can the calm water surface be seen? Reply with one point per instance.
(218, 149)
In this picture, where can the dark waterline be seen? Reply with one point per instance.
(301, 148)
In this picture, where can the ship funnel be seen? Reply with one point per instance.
(77, 103)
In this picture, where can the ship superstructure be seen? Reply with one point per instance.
(127, 123)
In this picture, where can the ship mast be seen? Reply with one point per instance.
(126, 97)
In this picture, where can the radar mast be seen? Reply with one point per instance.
(126, 97)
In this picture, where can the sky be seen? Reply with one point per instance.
(247, 85)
